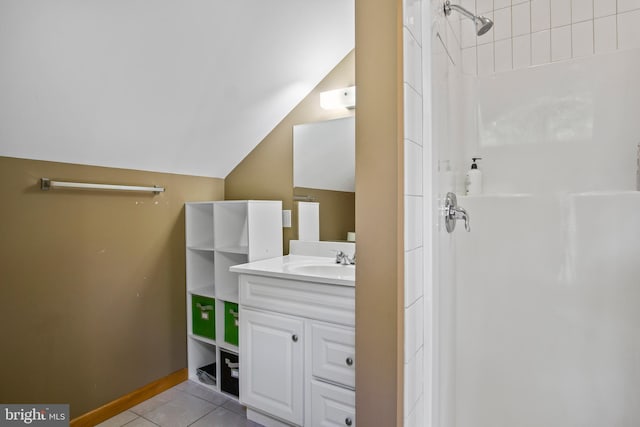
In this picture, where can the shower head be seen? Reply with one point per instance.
(483, 24)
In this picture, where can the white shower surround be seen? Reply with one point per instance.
(544, 289)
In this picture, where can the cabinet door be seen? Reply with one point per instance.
(271, 363)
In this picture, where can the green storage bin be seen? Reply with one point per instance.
(203, 315)
(231, 322)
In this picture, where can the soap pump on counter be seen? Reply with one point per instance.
(473, 182)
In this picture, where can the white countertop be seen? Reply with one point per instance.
(301, 267)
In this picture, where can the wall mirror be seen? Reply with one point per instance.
(324, 155)
(324, 172)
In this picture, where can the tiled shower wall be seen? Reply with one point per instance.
(414, 302)
(535, 32)
(422, 19)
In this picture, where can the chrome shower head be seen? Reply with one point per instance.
(482, 23)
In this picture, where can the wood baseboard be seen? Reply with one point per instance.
(127, 401)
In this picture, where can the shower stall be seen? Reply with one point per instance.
(536, 310)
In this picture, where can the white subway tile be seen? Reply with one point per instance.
(522, 51)
(499, 4)
(484, 6)
(467, 34)
(582, 38)
(503, 56)
(413, 329)
(469, 61)
(414, 276)
(501, 24)
(560, 13)
(604, 8)
(454, 27)
(521, 19)
(417, 416)
(412, 115)
(414, 379)
(413, 17)
(540, 15)
(605, 37)
(485, 59)
(560, 43)
(412, 168)
(413, 222)
(541, 47)
(454, 44)
(470, 5)
(581, 10)
(627, 5)
(412, 61)
(629, 30)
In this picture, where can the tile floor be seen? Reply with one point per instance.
(187, 404)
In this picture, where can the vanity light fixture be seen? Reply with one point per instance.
(339, 98)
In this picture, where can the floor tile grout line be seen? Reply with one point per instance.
(147, 419)
(201, 398)
(214, 409)
(136, 418)
(187, 391)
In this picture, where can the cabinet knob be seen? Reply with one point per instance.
(349, 363)
(294, 337)
(348, 421)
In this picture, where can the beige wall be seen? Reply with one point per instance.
(379, 213)
(267, 172)
(92, 294)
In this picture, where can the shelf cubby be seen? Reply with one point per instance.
(199, 225)
(220, 234)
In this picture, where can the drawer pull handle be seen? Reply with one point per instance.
(349, 363)
(294, 337)
(348, 421)
(204, 307)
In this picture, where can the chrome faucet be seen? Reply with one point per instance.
(452, 212)
(344, 259)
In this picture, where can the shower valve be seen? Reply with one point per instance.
(452, 213)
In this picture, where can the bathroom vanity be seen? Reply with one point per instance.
(297, 341)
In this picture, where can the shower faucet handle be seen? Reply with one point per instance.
(452, 213)
(460, 213)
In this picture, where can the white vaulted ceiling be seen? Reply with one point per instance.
(179, 86)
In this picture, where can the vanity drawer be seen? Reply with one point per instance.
(332, 406)
(319, 301)
(333, 353)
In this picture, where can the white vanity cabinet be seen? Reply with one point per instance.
(297, 351)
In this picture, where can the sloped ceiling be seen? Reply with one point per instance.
(189, 86)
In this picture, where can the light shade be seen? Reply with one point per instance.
(339, 98)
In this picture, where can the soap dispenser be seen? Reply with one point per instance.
(474, 178)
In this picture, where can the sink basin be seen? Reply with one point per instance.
(307, 268)
(333, 271)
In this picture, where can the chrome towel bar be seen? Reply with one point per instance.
(46, 184)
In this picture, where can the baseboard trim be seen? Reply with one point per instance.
(130, 400)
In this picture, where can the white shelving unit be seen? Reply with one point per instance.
(221, 234)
